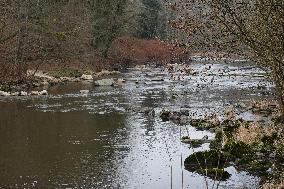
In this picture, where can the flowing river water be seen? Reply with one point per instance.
(104, 140)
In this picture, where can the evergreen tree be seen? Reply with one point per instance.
(151, 21)
(109, 23)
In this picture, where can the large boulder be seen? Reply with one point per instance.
(105, 82)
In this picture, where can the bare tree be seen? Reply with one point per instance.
(254, 28)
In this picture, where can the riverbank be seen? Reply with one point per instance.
(124, 52)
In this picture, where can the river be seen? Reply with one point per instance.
(103, 140)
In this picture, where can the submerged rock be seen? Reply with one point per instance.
(105, 82)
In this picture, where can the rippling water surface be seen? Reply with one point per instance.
(100, 140)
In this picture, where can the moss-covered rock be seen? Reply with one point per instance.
(217, 143)
(237, 149)
(208, 163)
(202, 124)
(210, 159)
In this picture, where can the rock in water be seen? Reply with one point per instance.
(23, 93)
(104, 82)
(84, 91)
(3, 93)
(120, 81)
(35, 93)
(87, 77)
(15, 94)
(65, 79)
(165, 115)
(205, 137)
(44, 92)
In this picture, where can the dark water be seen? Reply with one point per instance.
(100, 140)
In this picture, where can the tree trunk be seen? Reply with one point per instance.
(280, 99)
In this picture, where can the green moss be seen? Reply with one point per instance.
(202, 124)
(269, 140)
(214, 145)
(217, 143)
(266, 144)
(6, 88)
(237, 149)
(258, 167)
(65, 73)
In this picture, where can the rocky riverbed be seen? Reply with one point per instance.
(112, 135)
